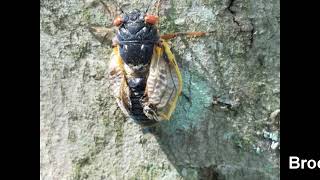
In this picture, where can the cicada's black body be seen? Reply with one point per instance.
(136, 39)
(137, 87)
(146, 80)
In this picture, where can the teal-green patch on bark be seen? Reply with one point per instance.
(189, 112)
(151, 171)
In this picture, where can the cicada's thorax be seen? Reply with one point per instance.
(136, 41)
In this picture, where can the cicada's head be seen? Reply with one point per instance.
(137, 35)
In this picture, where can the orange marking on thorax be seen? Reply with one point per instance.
(151, 19)
(118, 21)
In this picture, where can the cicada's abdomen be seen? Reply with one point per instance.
(137, 87)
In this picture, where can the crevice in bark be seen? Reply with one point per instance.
(209, 173)
(229, 8)
(251, 34)
(241, 24)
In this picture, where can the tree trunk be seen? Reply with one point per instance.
(225, 126)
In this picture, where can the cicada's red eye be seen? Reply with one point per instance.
(151, 19)
(118, 21)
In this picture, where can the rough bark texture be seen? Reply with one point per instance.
(226, 125)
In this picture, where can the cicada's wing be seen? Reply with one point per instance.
(164, 84)
(118, 82)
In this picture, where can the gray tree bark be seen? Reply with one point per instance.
(226, 125)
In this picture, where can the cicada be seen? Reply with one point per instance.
(144, 76)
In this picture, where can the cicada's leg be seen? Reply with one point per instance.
(103, 34)
(112, 11)
(158, 8)
(188, 34)
(173, 35)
